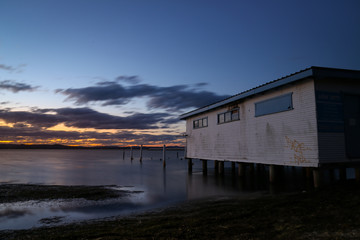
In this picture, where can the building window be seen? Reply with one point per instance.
(200, 123)
(229, 116)
(274, 105)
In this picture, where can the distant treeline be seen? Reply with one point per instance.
(59, 146)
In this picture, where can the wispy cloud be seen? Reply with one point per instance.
(176, 97)
(14, 86)
(12, 68)
(85, 118)
(129, 79)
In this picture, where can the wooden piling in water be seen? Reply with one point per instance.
(216, 166)
(204, 166)
(272, 173)
(317, 178)
(131, 153)
(164, 156)
(190, 165)
(123, 154)
(233, 167)
(221, 167)
(241, 169)
(342, 173)
(357, 174)
(141, 152)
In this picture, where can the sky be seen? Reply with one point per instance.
(120, 72)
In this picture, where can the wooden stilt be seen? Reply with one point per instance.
(204, 166)
(357, 174)
(189, 165)
(317, 179)
(216, 166)
(332, 175)
(123, 154)
(272, 173)
(131, 153)
(221, 167)
(342, 173)
(241, 169)
(233, 167)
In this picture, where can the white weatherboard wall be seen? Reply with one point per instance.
(285, 138)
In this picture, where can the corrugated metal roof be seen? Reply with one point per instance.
(316, 72)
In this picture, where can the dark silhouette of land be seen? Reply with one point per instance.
(59, 146)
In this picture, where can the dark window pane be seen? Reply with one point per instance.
(227, 116)
(205, 122)
(221, 118)
(235, 115)
(274, 105)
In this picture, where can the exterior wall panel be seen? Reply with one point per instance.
(284, 138)
(332, 144)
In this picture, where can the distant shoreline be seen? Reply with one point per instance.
(59, 146)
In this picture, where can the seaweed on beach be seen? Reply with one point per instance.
(328, 213)
(25, 192)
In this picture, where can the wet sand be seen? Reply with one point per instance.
(328, 213)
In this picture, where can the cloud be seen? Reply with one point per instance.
(85, 118)
(15, 87)
(175, 98)
(129, 79)
(9, 68)
(6, 67)
(26, 134)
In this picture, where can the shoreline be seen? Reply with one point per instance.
(328, 213)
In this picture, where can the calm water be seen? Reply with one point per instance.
(160, 187)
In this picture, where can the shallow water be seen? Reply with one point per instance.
(153, 185)
(159, 186)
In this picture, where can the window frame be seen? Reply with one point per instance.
(199, 123)
(228, 116)
(285, 103)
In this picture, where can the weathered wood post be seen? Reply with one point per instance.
(164, 156)
(141, 152)
(216, 166)
(123, 154)
(357, 174)
(342, 173)
(131, 153)
(204, 166)
(317, 178)
(272, 173)
(221, 167)
(241, 169)
(190, 165)
(233, 167)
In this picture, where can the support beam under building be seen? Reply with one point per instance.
(204, 166)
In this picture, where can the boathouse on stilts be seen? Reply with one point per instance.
(309, 119)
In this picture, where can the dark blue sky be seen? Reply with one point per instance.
(130, 57)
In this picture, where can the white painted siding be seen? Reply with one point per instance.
(285, 138)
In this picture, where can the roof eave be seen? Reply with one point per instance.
(266, 87)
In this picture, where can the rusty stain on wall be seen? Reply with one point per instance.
(298, 148)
